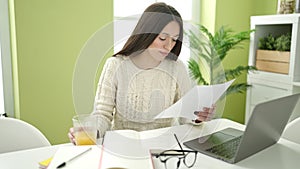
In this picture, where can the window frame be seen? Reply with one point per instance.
(119, 21)
(6, 83)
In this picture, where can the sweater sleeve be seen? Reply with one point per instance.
(105, 96)
(184, 85)
(183, 80)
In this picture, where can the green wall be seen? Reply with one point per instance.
(237, 19)
(49, 37)
(264, 7)
(236, 15)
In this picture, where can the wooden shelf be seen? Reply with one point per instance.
(268, 84)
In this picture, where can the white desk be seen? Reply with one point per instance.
(27, 158)
(284, 154)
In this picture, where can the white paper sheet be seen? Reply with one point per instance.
(194, 100)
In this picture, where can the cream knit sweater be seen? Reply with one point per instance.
(129, 97)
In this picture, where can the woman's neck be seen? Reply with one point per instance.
(144, 61)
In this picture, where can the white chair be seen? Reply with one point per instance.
(291, 131)
(16, 135)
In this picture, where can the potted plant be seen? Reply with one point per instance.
(205, 66)
(273, 53)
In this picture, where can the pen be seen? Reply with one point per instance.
(78, 155)
(178, 143)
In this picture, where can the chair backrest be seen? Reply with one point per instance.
(16, 135)
(291, 131)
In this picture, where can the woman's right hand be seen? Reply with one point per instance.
(71, 135)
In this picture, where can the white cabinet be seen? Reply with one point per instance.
(269, 85)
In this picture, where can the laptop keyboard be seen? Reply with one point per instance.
(226, 149)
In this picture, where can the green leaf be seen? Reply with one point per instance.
(209, 52)
(233, 73)
(195, 72)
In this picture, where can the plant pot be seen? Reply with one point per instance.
(273, 61)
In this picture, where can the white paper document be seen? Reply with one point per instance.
(133, 144)
(195, 100)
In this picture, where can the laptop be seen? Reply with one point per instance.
(263, 129)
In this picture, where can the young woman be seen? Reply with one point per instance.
(145, 77)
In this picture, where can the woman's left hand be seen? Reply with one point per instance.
(206, 114)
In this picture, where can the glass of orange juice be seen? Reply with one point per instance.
(85, 129)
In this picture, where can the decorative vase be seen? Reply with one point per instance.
(286, 6)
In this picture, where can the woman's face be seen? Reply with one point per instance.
(165, 41)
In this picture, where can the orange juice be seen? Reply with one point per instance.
(85, 129)
(85, 138)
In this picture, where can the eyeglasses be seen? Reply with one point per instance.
(172, 158)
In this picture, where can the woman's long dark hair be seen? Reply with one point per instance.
(151, 23)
